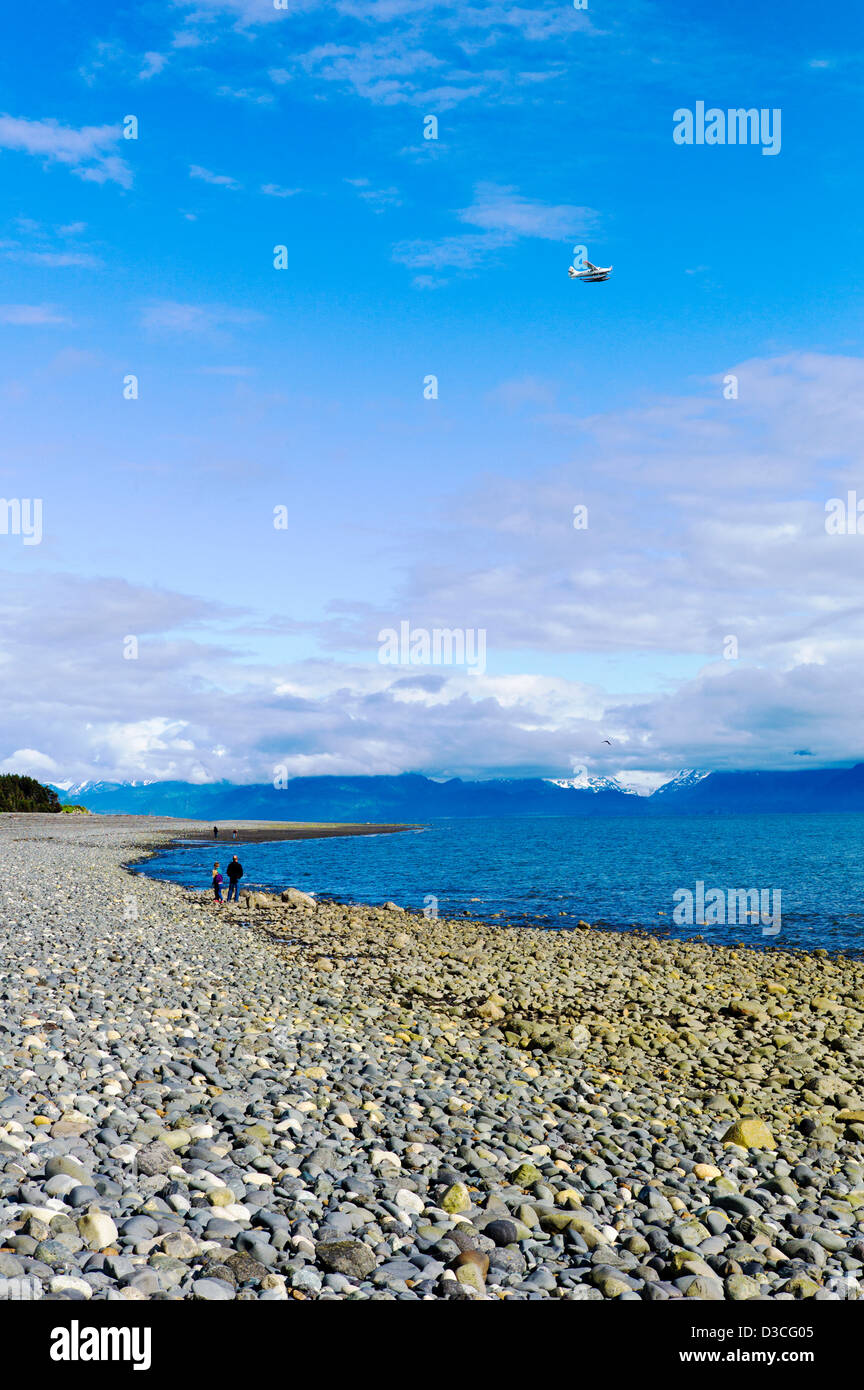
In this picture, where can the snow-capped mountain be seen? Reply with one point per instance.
(592, 784)
(631, 783)
(411, 797)
(687, 777)
(81, 788)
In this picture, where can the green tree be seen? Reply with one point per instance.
(19, 793)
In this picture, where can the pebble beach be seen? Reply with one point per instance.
(291, 1100)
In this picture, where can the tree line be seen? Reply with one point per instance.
(19, 793)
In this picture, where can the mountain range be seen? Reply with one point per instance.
(413, 797)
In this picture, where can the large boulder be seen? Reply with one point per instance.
(349, 1257)
(567, 1040)
(491, 1011)
(750, 1133)
(295, 898)
(155, 1158)
(456, 1199)
(97, 1230)
(255, 899)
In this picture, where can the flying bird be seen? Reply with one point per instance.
(590, 274)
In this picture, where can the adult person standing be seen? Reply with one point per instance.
(235, 873)
(215, 832)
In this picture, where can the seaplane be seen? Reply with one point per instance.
(590, 274)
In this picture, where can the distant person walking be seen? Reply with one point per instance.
(217, 882)
(215, 832)
(233, 834)
(235, 873)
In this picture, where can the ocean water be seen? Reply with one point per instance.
(552, 871)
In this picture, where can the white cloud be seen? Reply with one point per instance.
(207, 176)
(105, 54)
(672, 563)
(386, 72)
(30, 314)
(506, 211)
(29, 762)
(171, 316)
(247, 13)
(376, 198)
(156, 743)
(674, 560)
(43, 255)
(253, 95)
(391, 52)
(505, 216)
(85, 151)
(450, 252)
(152, 65)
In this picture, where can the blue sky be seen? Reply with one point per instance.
(303, 387)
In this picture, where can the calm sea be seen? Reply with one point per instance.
(552, 871)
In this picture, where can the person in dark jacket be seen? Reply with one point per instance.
(235, 873)
(215, 832)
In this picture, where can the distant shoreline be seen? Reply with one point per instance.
(164, 832)
(258, 832)
(193, 829)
